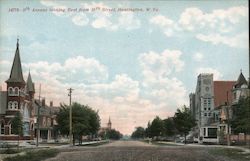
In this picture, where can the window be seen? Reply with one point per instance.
(204, 132)
(10, 129)
(15, 105)
(2, 129)
(209, 114)
(205, 114)
(208, 108)
(10, 105)
(16, 91)
(205, 109)
(10, 91)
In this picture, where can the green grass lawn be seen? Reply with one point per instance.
(34, 155)
(236, 154)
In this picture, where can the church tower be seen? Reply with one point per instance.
(109, 124)
(15, 85)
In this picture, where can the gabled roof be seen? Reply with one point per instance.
(223, 92)
(30, 84)
(241, 80)
(16, 74)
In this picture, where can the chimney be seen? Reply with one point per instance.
(43, 102)
(51, 104)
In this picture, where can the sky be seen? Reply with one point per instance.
(130, 60)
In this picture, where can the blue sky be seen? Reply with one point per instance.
(131, 66)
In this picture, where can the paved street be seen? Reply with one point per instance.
(137, 151)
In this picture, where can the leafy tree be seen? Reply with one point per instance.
(85, 121)
(183, 121)
(17, 125)
(170, 129)
(148, 131)
(241, 116)
(138, 133)
(113, 134)
(157, 127)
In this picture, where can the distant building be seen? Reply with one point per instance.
(240, 89)
(18, 97)
(47, 121)
(211, 106)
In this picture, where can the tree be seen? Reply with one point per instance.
(148, 131)
(17, 125)
(170, 129)
(183, 121)
(138, 133)
(113, 134)
(157, 127)
(85, 121)
(241, 116)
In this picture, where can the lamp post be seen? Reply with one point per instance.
(70, 118)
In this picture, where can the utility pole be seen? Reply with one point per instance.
(228, 122)
(70, 117)
(38, 118)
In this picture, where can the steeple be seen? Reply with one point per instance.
(16, 74)
(30, 84)
(241, 80)
(109, 124)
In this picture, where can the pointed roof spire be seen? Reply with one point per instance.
(109, 120)
(16, 74)
(30, 84)
(241, 80)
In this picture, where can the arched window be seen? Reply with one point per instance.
(10, 91)
(10, 129)
(15, 105)
(2, 128)
(16, 91)
(10, 105)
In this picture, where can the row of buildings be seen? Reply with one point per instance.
(211, 105)
(20, 97)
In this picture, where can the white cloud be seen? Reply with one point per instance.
(161, 64)
(198, 57)
(158, 82)
(101, 22)
(161, 21)
(77, 69)
(128, 21)
(220, 26)
(194, 18)
(97, 19)
(239, 40)
(167, 25)
(217, 75)
(80, 20)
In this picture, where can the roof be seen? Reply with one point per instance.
(241, 80)
(45, 110)
(220, 92)
(30, 84)
(16, 74)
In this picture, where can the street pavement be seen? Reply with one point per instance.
(137, 151)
